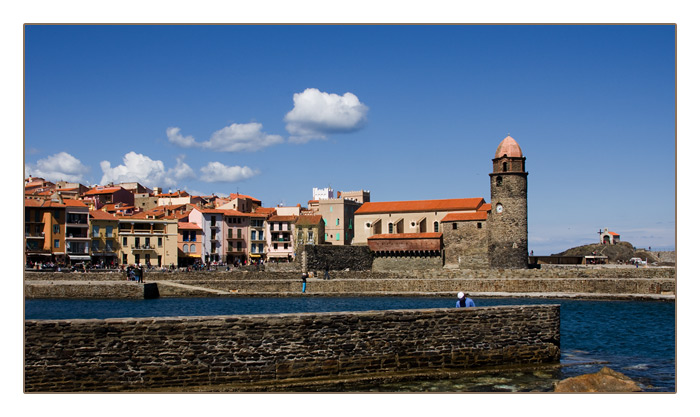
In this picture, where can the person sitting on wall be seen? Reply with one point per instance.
(464, 301)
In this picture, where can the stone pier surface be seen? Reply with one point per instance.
(200, 353)
(618, 283)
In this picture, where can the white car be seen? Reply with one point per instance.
(639, 261)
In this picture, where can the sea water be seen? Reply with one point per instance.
(636, 338)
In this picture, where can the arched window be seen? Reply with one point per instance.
(391, 228)
(499, 181)
(505, 166)
(184, 248)
(192, 249)
(436, 226)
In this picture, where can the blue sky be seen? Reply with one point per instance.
(407, 112)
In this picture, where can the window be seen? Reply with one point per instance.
(124, 258)
(337, 222)
(454, 226)
(436, 227)
(505, 166)
(499, 181)
(124, 242)
(56, 229)
(337, 236)
(331, 209)
(95, 245)
(260, 248)
(95, 231)
(238, 246)
(184, 248)
(478, 225)
(391, 228)
(311, 236)
(137, 241)
(285, 246)
(109, 231)
(239, 233)
(147, 241)
(230, 247)
(56, 243)
(192, 248)
(109, 246)
(230, 233)
(274, 246)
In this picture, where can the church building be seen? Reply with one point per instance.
(464, 233)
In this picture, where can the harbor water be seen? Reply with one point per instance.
(637, 338)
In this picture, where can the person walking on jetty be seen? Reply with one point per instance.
(464, 301)
(303, 282)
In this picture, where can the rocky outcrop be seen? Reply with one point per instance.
(605, 380)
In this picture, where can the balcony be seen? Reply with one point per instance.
(143, 247)
(39, 235)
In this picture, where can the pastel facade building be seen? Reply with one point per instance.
(258, 241)
(310, 230)
(104, 235)
(280, 237)
(147, 240)
(44, 231)
(76, 234)
(212, 223)
(236, 229)
(189, 244)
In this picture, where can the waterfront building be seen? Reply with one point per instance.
(148, 240)
(467, 232)
(310, 231)
(211, 221)
(44, 231)
(280, 237)
(76, 234)
(189, 244)
(240, 202)
(236, 226)
(338, 218)
(257, 241)
(104, 235)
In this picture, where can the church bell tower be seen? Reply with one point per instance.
(508, 217)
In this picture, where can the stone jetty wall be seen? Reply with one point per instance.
(237, 351)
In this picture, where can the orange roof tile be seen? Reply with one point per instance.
(101, 215)
(455, 217)
(431, 235)
(309, 219)
(108, 190)
(236, 195)
(484, 207)
(421, 205)
(188, 226)
(613, 233)
(276, 218)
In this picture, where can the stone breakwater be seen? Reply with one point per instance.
(224, 353)
(580, 282)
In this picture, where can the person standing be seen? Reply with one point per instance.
(303, 282)
(464, 301)
(326, 274)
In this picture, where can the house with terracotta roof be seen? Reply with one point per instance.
(189, 244)
(609, 238)
(104, 234)
(99, 196)
(148, 239)
(310, 230)
(280, 237)
(240, 202)
(44, 231)
(212, 223)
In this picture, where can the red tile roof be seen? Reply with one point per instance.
(188, 226)
(613, 233)
(431, 235)
(236, 195)
(265, 210)
(484, 207)
(421, 205)
(309, 220)
(101, 215)
(107, 190)
(276, 218)
(456, 217)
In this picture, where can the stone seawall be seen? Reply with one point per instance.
(234, 352)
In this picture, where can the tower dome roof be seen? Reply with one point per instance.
(509, 147)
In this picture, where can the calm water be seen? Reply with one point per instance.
(636, 338)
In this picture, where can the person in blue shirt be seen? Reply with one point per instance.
(464, 301)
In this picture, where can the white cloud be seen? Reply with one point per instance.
(182, 170)
(241, 137)
(218, 172)
(317, 114)
(175, 137)
(59, 167)
(139, 168)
